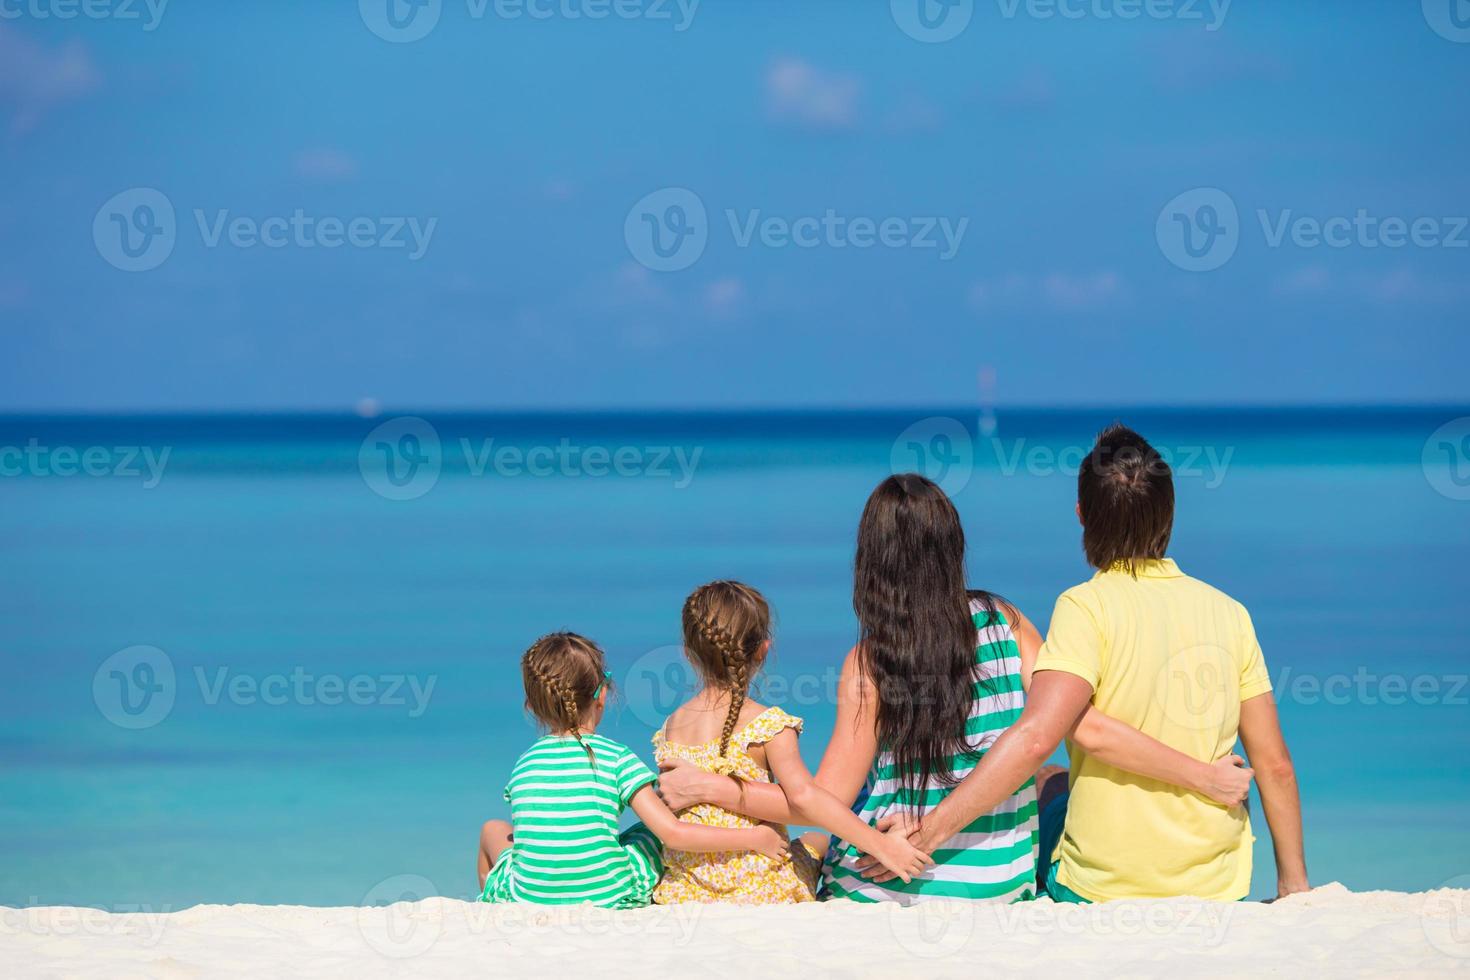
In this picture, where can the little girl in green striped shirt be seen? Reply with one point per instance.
(568, 790)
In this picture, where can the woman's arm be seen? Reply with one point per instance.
(1260, 731)
(812, 804)
(849, 756)
(682, 836)
(1122, 746)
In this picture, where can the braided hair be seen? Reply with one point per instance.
(725, 625)
(562, 673)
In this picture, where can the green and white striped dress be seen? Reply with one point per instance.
(564, 815)
(994, 858)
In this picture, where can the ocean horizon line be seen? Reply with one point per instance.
(1241, 409)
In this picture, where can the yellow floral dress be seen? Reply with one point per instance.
(739, 877)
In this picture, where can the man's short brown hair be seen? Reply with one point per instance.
(1125, 494)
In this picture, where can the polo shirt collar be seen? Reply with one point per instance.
(1151, 568)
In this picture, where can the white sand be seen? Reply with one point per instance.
(1329, 930)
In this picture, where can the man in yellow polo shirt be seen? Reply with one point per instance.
(1173, 657)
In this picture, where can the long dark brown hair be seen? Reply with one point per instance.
(917, 637)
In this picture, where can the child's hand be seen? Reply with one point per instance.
(773, 845)
(900, 856)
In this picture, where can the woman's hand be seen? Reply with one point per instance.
(680, 784)
(770, 843)
(1227, 781)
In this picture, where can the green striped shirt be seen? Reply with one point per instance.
(994, 857)
(564, 811)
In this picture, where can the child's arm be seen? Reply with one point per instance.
(812, 804)
(682, 836)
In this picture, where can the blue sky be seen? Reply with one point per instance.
(518, 146)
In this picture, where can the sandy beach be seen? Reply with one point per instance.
(1329, 930)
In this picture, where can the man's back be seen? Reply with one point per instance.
(1174, 658)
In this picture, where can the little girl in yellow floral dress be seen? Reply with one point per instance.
(727, 634)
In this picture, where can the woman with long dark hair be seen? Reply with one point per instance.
(937, 674)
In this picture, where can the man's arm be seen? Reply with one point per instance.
(1056, 701)
(1260, 731)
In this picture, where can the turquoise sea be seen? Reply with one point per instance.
(250, 674)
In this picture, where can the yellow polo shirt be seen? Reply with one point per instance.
(1174, 658)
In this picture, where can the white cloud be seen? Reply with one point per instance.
(723, 296)
(35, 80)
(801, 94)
(1060, 291)
(324, 164)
